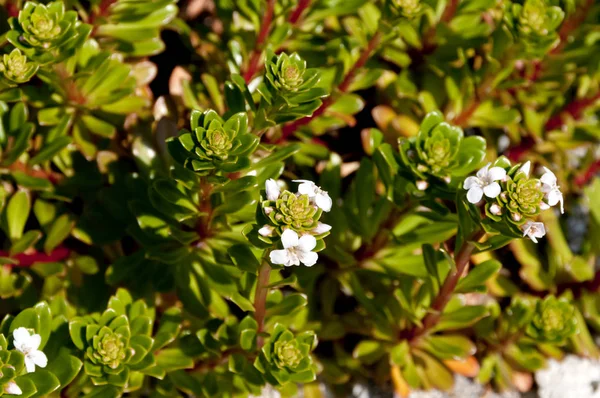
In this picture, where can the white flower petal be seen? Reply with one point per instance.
(526, 168)
(21, 336)
(321, 228)
(29, 364)
(279, 257)
(496, 174)
(544, 206)
(492, 190)
(289, 238)
(266, 230)
(306, 243)
(471, 182)
(323, 201)
(548, 177)
(554, 197)
(307, 188)
(474, 195)
(39, 358)
(272, 189)
(308, 258)
(483, 172)
(12, 388)
(34, 341)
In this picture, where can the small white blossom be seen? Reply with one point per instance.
(516, 216)
(551, 189)
(295, 250)
(316, 194)
(268, 210)
(28, 345)
(484, 183)
(534, 230)
(321, 228)
(495, 209)
(272, 189)
(526, 168)
(12, 388)
(422, 185)
(266, 230)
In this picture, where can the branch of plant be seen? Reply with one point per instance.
(297, 13)
(28, 259)
(260, 298)
(254, 61)
(461, 260)
(289, 129)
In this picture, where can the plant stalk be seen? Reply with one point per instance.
(461, 259)
(288, 130)
(260, 41)
(260, 298)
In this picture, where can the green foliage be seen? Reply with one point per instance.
(413, 184)
(440, 150)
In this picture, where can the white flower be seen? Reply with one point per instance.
(495, 209)
(484, 183)
(315, 193)
(266, 230)
(296, 250)
(28, 345)
(12, 388)
(272, 189)
(422, 185)
(526, 168)
(321, 228)
(552, 191)
(534, 230)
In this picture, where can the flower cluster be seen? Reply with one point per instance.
(440, 150)
(113, 343)
(511, 195)
(40, 29)
(16, 68)
(295, 218)
(553, 320)
(214, 144)
(286, 357)
(23, 359)
(535, 22)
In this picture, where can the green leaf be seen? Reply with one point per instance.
(16, 215)
(171, 359)
(449, 346)
(279, 155)
(461, 318)
(44, 381)
(243, 258)
(477, 277)
(65, 367)
(29, 239)
(59, 231)
(50, 150)
(369, 351)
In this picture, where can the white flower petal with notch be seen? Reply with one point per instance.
(272, 189)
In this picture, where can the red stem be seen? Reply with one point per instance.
(571, 24)
(260, 298)
(582, 179)
(575, 109)
(289, 129)
(297, 13)
(102, 10)
(461, 259)
(26, 260)
(260, 40)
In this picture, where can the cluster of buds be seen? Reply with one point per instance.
(511, 195)
(292, 220)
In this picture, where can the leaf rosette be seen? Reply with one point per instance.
(215, 145)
